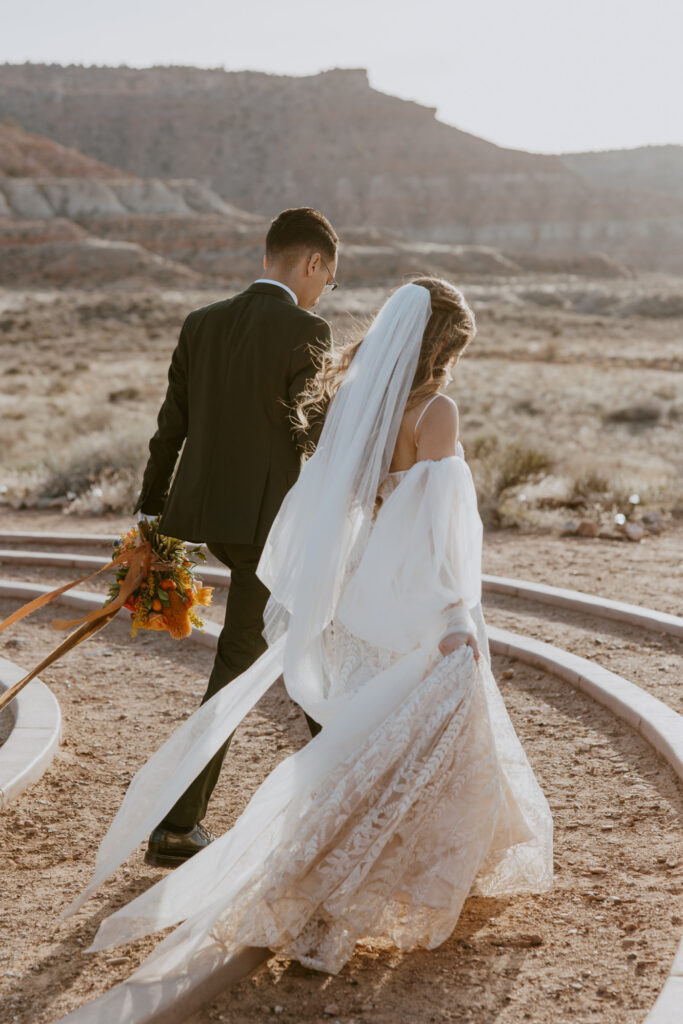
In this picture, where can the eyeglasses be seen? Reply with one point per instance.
(331, 285)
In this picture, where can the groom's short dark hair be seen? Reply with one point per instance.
(301, 228)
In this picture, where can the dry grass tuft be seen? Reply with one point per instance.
(96, 474)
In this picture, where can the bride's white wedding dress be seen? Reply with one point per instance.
(416, 793)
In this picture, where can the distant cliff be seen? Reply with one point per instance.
(263, 142)
(659, 168)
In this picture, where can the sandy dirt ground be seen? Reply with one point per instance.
(596, 948)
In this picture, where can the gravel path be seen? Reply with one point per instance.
(597, 948)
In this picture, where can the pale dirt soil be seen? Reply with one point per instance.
(597, 948)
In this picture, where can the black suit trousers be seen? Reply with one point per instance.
(239, 645)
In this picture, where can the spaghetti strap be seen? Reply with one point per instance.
(417, 424)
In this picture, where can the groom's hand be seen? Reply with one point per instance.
(452, 641)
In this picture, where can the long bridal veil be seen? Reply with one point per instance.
(328, 513)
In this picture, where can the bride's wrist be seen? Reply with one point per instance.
(459, 620)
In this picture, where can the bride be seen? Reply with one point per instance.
(417, 791)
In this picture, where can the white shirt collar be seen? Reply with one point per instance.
(268, 280)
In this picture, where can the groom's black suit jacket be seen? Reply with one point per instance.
(237, 366)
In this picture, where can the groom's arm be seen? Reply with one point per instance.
(303, 369)
(170, 434)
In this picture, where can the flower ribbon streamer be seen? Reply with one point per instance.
(139, 561)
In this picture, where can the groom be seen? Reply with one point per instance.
(238, 365)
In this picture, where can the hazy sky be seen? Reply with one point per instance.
(543, 75)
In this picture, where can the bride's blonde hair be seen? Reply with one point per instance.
(449, 330)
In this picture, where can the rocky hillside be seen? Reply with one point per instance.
(263, 142)
(66, 220)
(658, 168)
(25, 155)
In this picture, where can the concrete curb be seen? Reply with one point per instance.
(32, 744)
(47, 559)
(646, 618)
(657, 723)
(28, 537)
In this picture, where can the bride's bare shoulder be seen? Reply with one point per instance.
(437, 432)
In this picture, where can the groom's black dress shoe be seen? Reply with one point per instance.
(167, 849)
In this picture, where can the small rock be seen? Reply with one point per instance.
(331, 1010)
(124, 395)
(587, 528)
(509, 673)
(569, 529)
(644, 414)
(632, 531)
(59, 502)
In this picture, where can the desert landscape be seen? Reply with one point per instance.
(122, 208)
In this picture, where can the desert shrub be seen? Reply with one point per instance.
(550, 352)
(644, 414)
(96, 474)
(482, 446)
(590, 484)
(91, 459)
(497, 467)
(520, 463)
(114, 491)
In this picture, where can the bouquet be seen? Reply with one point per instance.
(155, 580)
(168, 596)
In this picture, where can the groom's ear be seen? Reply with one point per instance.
(265, 262)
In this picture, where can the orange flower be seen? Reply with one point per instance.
(177, 620)
(204, 595)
